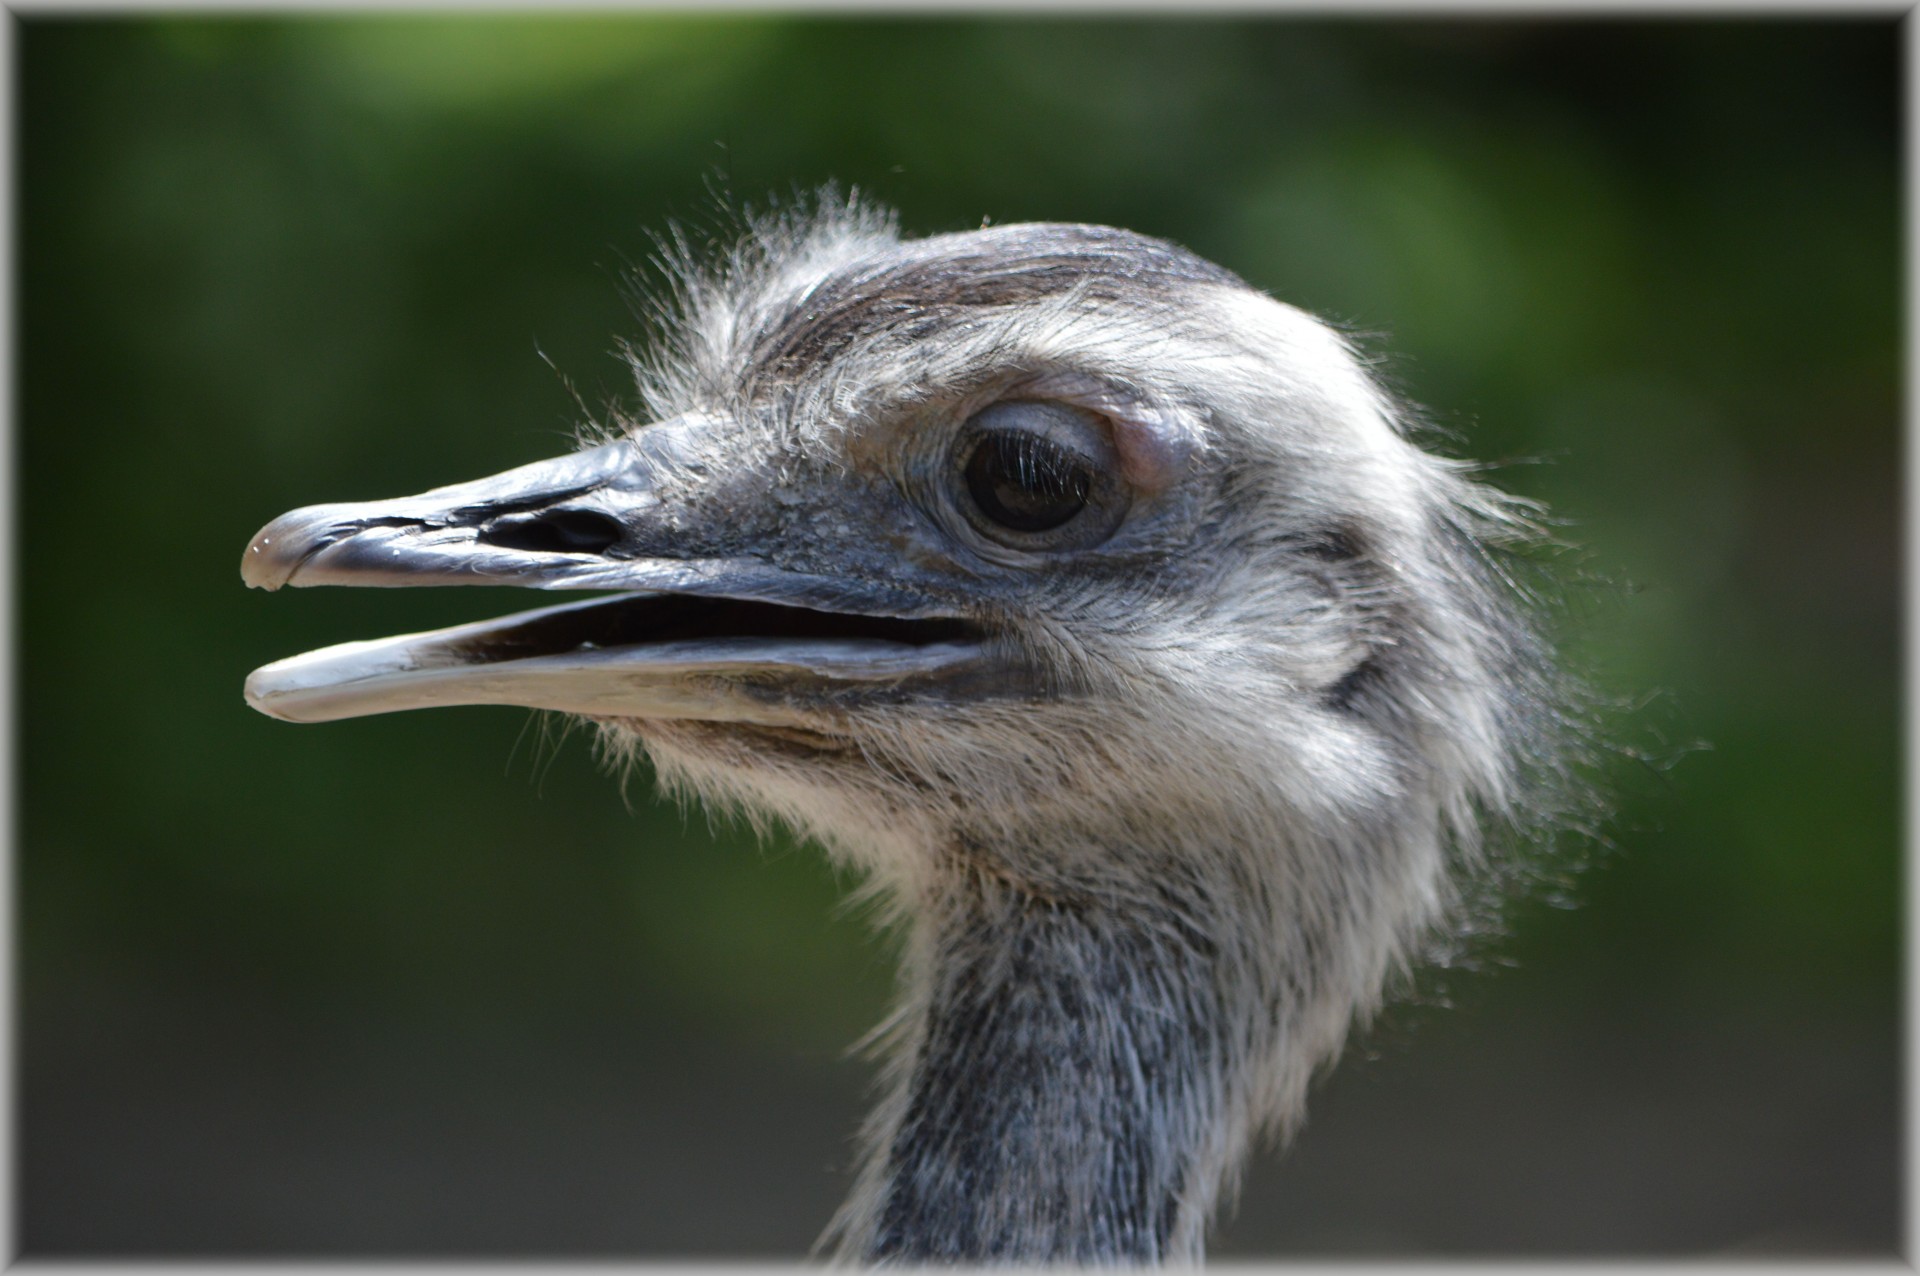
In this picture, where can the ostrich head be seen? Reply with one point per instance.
(1095, 605)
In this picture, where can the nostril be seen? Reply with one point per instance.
(555, 532)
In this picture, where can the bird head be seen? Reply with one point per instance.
(1051, 545)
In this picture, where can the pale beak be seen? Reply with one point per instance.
(714, 638)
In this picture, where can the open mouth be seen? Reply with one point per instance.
(657, 620)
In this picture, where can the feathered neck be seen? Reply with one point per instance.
(1065, 1088)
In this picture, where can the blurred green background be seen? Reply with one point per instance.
(433, 984)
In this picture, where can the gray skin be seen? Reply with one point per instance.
(1162, 795)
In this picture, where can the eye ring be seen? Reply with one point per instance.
(1038, 475)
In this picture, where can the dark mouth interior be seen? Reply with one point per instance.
(663, 618)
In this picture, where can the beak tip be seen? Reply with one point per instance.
(274, 555)
(259, 573)
(261, 695)
(255, 702)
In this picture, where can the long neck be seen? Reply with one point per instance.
(1066, 1089)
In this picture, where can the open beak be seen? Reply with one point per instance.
(709, 638)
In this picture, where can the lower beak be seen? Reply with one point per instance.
(707, 638)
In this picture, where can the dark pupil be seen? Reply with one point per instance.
(1025, 483)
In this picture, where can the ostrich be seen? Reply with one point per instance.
(1093, 605)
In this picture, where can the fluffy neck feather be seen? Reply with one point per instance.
(1070, 1073)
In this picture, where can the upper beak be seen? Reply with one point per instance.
(543, 524)
(707, 637)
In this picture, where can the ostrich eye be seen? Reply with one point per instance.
(1037, 476)
(1026, 483)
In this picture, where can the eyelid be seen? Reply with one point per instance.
(1074, 430)
(1154, 442)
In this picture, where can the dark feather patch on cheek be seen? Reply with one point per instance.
(1355, 688)
(1333, 545)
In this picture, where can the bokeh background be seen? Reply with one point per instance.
(434, 984)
